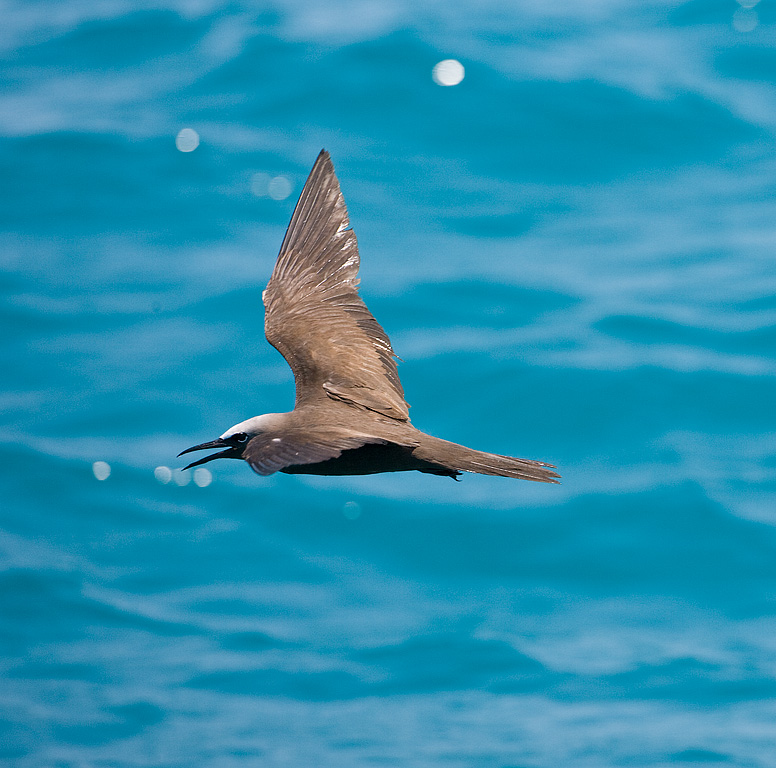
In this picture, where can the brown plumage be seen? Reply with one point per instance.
(350, 416)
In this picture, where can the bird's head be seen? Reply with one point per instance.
(234, 439)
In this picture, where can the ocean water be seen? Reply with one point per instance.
(574, 253)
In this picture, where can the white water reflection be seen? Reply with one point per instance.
(101, 470)
(187, 140)
(448, 72)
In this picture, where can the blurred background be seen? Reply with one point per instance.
(568, 232)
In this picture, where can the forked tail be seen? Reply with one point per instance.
(458, 458)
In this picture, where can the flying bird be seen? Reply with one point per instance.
(350, 416)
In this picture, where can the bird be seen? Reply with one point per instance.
(350, 416)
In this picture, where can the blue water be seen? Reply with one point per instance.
(574, 253)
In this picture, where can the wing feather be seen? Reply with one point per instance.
(314, 315)
(270, 452)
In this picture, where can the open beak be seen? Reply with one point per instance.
(229, 453)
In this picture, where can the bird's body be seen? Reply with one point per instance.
(350, 416)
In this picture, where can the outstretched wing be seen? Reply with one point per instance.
(314, 315)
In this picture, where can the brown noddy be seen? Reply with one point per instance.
(350, 416)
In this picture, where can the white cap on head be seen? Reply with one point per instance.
(255, 426)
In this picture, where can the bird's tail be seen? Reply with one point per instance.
(458, 458)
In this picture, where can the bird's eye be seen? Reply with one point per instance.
(240, 437)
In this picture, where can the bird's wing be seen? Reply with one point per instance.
(270, 452)
(314, 315)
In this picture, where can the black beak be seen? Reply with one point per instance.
(229, 453)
